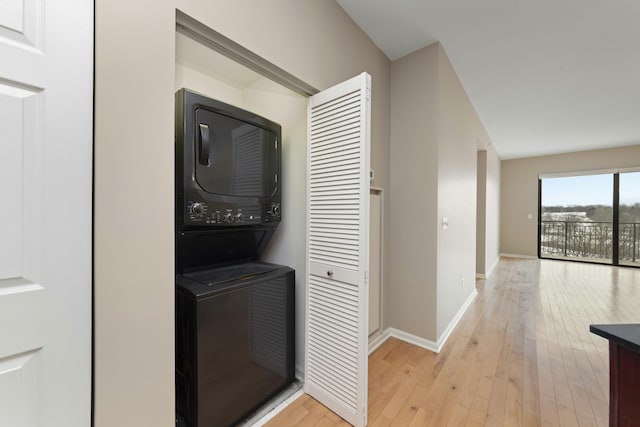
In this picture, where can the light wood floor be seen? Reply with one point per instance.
(521, 355)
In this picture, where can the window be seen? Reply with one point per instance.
(591, 217)
(629, 219)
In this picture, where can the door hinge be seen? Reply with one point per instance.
(368, 93)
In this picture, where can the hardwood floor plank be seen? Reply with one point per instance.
(444, 411)
(377, 404)
(484, 388)
(409, 410)
(531, 387)
(521, 355)
(459, 416)
(407, 384)
(497, 403)
(421, 418)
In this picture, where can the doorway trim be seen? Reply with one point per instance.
(217, 42)
(373, 338)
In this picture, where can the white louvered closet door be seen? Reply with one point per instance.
(338, 248)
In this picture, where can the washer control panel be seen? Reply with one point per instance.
(198, 212)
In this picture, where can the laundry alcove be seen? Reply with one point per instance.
(273, 93)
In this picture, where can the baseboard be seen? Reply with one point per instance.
(413, 339)
(490, 271)
(378, 340)
(518, 256)
(493, 267)
(454, 322)
(435, 347)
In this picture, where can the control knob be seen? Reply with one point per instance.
(238, 217)
(275, 210)
(227, 217)
(197, 209)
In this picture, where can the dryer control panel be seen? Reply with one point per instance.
(204, 213)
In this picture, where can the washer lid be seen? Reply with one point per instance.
(244, 271)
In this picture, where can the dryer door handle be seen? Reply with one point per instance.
(204, 144)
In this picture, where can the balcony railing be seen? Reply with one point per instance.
(589, 240)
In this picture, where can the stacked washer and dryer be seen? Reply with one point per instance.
(234, 313)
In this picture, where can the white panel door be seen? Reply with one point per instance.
(46, 114)
(338, 248)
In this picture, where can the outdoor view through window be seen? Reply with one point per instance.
(577, 218)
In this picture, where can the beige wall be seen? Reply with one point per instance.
(459, 130)
(414, 189)
(481, 203)
(434, 143)
(133, 247)
(519, 190)
(197, 81)
(492, 209)
(133, 214)
(488, 211)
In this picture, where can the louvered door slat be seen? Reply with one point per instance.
(336, 138)
(349, 115)
(333, 182)
(346, 378)
(337, 250)
(331, 243)
(342, 103)
(333, 149)
(331, 213)
(324, 108)
(336, 165)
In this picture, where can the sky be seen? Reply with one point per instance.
(590, 190)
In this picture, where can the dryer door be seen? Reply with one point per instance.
(232, 157)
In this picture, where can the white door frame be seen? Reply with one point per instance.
(372, 338)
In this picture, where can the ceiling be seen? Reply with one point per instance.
(545, 76)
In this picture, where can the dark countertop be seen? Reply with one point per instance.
(626, 335)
